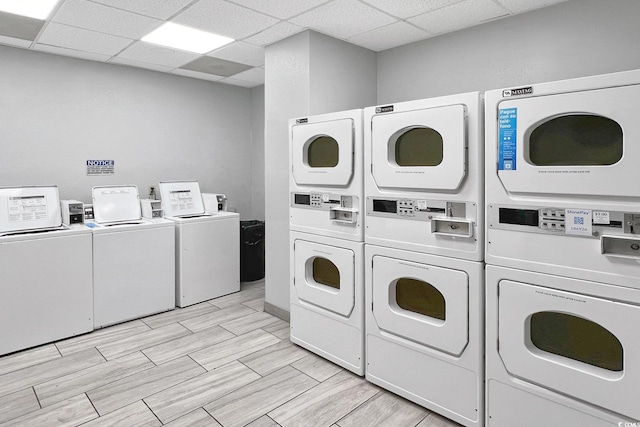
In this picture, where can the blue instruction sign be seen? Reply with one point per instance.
(507, 146)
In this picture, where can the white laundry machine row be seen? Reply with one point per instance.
(45, 271)
(207, 255)
(326, 180)
(425, 330)
(560, 351)
(563, 248)
(424, 172)
(133, 258)
(327, 298)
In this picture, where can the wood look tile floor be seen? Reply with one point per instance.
(223, 362)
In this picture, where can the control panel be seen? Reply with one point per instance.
(341, 208)
(446, 217)
(619, 232)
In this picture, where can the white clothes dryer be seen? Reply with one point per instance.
(133, 258)
(424, 176)
(327, 298)
(425, 330)
(207, 256)
(45, 271)
(562, 177)
(561, 351)
(326, 186)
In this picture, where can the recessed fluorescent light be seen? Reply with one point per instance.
(38, 9)
(185, 38)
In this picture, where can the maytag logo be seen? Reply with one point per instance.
(519, 91)
(385, 109)
(299, 121)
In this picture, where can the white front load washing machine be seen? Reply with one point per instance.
(327, 298)
(207, 255)
(563, 252)
(45, 271)
(424, 330)
(326, 175)
(561, 351)
(133, 258)
(424, 176)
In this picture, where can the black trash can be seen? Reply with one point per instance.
(251, 250)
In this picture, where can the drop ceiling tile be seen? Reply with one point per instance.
(11, 41)
(196, 75)
(236, 82)
(243, 53)
(215, 66)
(160, 9)
(226, 19)
(517, 6)
(154, 54)
(271, 35)
(139, 64)
(254, 75)
(19, 27)
(72, 53)
(104, 19)
(408, 8)
(389, 36)
(460, 15)
(283, 9)
(81, 39)
(343, 18)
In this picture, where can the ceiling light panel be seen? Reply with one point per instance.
(38, 9)
(186, 38)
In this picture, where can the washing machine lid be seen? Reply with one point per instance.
(29, 208)
(181, 198)
(116, 203)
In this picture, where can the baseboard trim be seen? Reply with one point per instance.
(277, 311)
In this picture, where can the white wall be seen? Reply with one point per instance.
(306, 74)
(58, 112)
(257, 153)
(572, 39)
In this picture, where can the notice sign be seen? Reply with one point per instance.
(507, 129)
(101, 167)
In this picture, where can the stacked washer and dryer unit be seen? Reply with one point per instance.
(424, 253)
(563, 253)
(326, 238)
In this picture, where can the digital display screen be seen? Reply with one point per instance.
(302, 199)
(389, 206)
(519, 216)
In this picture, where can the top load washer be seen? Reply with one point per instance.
(207, 245)
(45, 271)
(133, 258)
(562, 178)
(326, 175)
(424, 176)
